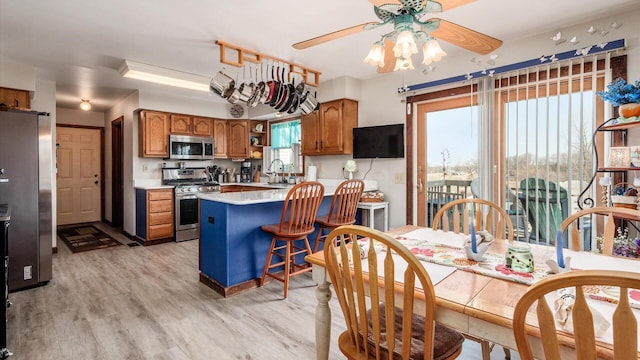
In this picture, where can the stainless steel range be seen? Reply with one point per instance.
(188, 182)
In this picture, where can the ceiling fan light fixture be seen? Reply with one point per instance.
(432, 52)
(376, 55)
(405, 44)
(85, 105)
(403, 63)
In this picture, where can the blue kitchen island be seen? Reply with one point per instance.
(233, 248)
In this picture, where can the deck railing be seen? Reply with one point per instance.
(440, 192)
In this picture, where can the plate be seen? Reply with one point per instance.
(259, 127)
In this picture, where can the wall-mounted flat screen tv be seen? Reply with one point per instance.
(385, 141)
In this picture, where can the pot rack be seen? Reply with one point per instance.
(311, 77)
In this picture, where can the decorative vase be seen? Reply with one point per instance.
(629, 110)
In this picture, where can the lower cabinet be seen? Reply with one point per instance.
(154, 215)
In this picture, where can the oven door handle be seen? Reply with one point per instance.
(185, 197)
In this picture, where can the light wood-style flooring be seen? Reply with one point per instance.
(147, 303)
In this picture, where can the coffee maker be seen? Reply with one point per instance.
(245, 172)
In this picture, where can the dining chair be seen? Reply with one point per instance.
(455, 216)
(296, 223)
(575, 227)
(372, 300)
(344, 205)
(623, 320)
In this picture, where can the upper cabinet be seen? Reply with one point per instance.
(220, 139)
(154, 134)
(191, 125)
(328, 130)
(238, 139)
(15, 98)
(231, 139)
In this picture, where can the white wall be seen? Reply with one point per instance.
(18, 76)
(80, 117)
(125, 109)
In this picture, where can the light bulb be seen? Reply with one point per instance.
(405, 45)
(85, 105)
(432, 51)
(376, 55)
(403, 64)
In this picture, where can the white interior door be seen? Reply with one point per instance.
(78, 165)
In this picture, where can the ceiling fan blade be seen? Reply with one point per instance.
(465, 38)
(331, 36)
(450, 4)
(385, 2)
(389, 57)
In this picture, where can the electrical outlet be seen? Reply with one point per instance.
(145, 168)
(28, 272)
(399, 178)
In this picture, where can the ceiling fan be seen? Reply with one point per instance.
(406, 17)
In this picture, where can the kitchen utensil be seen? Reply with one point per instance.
(309, 103)
(222, 84)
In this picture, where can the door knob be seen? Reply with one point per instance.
(95, 175)
(96, 182)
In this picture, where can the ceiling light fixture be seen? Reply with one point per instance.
(405, 38)
(85, 105)
(159, 75)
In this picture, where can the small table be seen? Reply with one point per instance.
(371, 207)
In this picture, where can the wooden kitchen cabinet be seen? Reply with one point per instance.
(231, 139)
(15, 98)
(154, 134)
(220, 139)
(238, 139)
(329, 130)
(154, 215)
(191, 125)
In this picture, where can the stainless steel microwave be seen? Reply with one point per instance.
(190, 147)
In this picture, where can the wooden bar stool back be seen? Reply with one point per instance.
(343, 208)
(296, 222)
(379, 316)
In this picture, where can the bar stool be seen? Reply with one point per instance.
(343, 208)
(296, 222)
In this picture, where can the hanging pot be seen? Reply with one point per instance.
(277, 89)
(246, 90)
(309, 104)
(222, 84)
(234, 97)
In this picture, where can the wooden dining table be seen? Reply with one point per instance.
(475, 304)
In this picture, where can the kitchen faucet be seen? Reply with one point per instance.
(281, 166)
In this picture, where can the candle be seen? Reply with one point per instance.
(474, 248)
(559, 250)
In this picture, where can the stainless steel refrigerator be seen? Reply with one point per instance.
(26, 157)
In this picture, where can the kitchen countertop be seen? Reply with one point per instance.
(278, 193)
(153, 187)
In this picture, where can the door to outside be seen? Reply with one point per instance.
(447, 154)
(78, 165)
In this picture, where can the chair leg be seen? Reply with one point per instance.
(507, 353)
(268, 261)
(486, 350)
(287, 267)
(318, 238)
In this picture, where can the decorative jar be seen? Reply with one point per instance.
(519, 258)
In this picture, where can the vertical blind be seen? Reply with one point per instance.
(548, 113)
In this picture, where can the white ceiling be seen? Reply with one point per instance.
(80, 44)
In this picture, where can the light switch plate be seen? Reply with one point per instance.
(399, 178)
